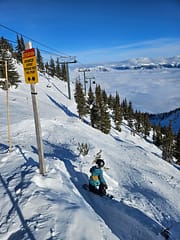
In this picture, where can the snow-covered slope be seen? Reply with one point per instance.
(55, 206)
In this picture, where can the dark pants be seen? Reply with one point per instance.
(101, 190)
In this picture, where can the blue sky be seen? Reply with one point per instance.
(97, 30)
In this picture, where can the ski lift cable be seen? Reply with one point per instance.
(55, 51)
(33, 40)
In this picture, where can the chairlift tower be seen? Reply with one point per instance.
(84, 70)
(91, 78)
(66, 61)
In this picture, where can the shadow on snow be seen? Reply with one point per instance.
(62, 107)
(24, 232)
(3, 148)
(124, 221)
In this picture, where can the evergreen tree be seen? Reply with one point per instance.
(124, 107)
(39, 61)
(146, 125)
(177, 148)
(6, 56)
(47, 67)
(90, 105)
(157, 135)
(5, 46)
(51, 69)
(102, 120)
(63, 72)
(96, 108)
(90, 99)
(110, 101)
(80, 100)
(105, 119)
(117, 115)
(104, 97)
(19, 48)
(130, 114)
(94, 116)
(168, 146)
(22, 43)
(138, 122)
(58, 69)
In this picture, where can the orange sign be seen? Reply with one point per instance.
(29, 64)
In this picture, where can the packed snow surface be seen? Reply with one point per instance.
(146, 189)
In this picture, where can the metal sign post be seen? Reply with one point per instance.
(31, 77)
(68, 81)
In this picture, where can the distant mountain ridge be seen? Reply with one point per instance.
(138, 63)
(164, 118)
(149, 63)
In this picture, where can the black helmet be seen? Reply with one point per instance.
(100, 162)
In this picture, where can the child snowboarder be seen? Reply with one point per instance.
(97, 184)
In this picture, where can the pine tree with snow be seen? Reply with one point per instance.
(168, 144)
(105, 119)
(80, 100)
(146, 125)
(6, 46)
(95, 115)
(130, 118)
(104, 97)
(157, 135)
(110, 101)
(124, 107)
(102, 120)
(138, 122)
(6, 52)
(90, 102)
(117, 114)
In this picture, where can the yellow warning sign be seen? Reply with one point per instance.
(30, 68)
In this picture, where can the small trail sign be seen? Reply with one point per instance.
(29, 64)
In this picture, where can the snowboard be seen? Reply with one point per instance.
(86, 187)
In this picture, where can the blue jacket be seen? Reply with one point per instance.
(96, 177)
